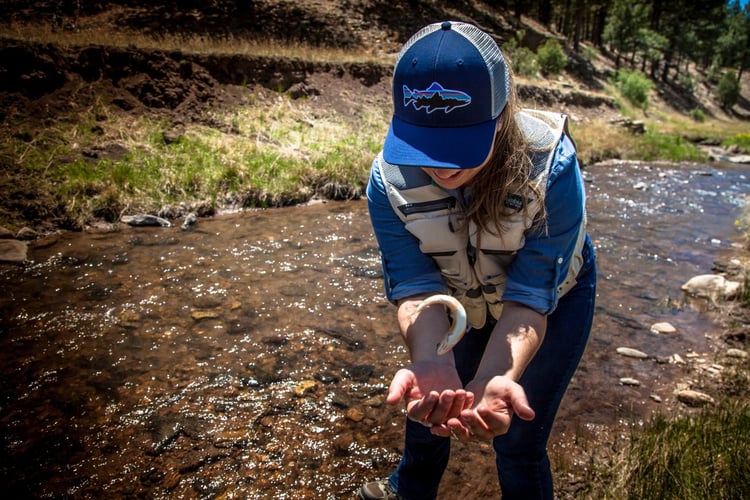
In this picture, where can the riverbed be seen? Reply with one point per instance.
(248, 357)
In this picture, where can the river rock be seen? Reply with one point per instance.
(13, 251)
(694, 398)
(26, 234)
(305, 387)
(630, 381)
(676, 359)
(190, 220)
(354, 415)
(6, 234)
(736, 353)
(663, 328)
(145, 220)
(711, 286)
(631, 353)
(201, 314)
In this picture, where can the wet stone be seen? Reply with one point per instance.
(129, 319)
(630, 382)
(305, 387)
(694, 398)
(736, 353)
(200, 314)
(354, 415)
(631, 353)
(663, 328)
(360, 373)
(231, 438)
(342, 443)
(13, 251)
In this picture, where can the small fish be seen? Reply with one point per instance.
(436, 97)
(457, 328)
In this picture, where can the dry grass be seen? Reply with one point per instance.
(193, 44)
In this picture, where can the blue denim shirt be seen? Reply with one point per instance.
(538, 268)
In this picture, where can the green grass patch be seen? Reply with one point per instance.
(259, 156)
(704, 456)
(740, 141)
(657, 146)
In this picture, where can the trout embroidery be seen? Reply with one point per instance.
(436, 97)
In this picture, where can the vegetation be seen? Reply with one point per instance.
(552, 59)
(634, 86)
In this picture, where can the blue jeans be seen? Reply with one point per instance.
(521, 455)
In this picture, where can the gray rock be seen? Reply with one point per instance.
(145, 220)
(13, 251)
(631, 353)
(694, 398)
(630, 381)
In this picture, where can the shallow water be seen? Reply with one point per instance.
(248, 357)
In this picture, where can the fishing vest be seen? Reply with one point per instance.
(475, 265)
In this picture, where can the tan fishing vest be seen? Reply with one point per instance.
(474, 265)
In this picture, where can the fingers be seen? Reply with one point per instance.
(401, 384)
(484, 423)
(449, 405)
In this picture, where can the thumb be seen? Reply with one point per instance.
(521, 406)
(402, 382)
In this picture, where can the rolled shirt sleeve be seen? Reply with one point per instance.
(542, 264)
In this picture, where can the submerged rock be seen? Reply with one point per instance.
(663, 328)
(631, 353)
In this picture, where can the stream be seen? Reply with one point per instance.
(249, 356)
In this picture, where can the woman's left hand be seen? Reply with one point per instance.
(497, 400)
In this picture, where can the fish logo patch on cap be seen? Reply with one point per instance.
(436, 97)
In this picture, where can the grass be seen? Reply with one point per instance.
(695, 457)
(266, 155)
(193, 44)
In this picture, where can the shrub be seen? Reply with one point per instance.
(522, 59)
(698, 115)
(728, 90)
(634, 86)
(552, 60)
(524, 62)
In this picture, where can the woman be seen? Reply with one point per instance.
(478, 199)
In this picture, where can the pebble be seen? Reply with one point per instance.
(663, 328)
(736, 353)
(199, 314)
(694, 398)
(305, 387)
(354, 415)
(630, 381)
(631, 353)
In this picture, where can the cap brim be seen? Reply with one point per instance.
(438, 147)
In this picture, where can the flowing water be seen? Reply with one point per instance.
(249, 356)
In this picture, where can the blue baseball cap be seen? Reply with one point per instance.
(450, 84)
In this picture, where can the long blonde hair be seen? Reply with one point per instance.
(506, 173)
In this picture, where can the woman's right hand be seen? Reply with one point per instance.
(432, 392)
